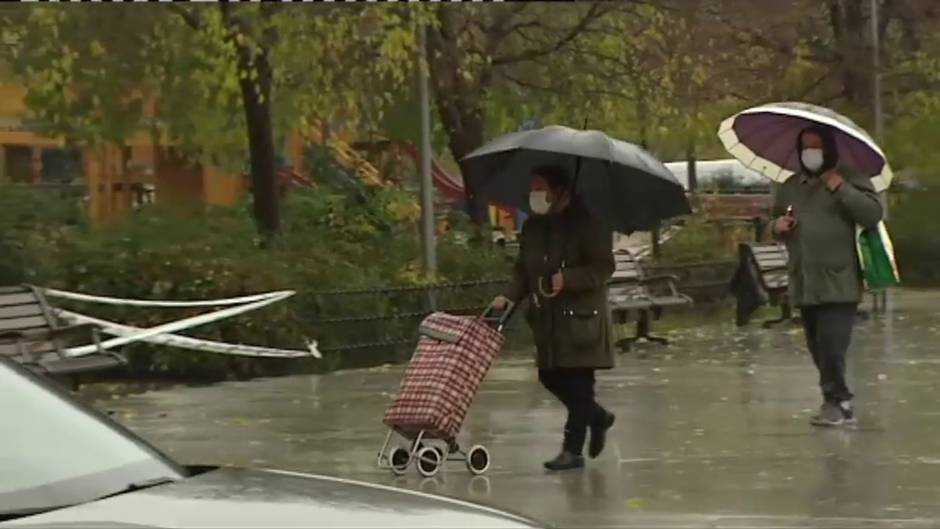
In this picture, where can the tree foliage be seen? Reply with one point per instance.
(213, 80)
(659, 72)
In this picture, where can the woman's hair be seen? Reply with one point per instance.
(556, 176)
(829, 147)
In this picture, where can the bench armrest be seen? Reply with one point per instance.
(615, 281)
(660, 279)
(80, 329)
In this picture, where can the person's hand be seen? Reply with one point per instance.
(784, 225)
(833, 181)
(558, 282)
(501, 303)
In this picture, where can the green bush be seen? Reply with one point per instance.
(915, 230)
(28, 212)
(330, 241)
(700, 240)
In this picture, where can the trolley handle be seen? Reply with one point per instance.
(499, 322)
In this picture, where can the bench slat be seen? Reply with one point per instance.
(28, 322)
(35, 348)
(18, 311)
(626, 275)
(25, 298)
(772, 263)
(764, 248)
(771, 255)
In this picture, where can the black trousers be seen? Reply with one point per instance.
(828, 335)
(574, 387)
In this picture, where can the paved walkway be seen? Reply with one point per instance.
(712, 432)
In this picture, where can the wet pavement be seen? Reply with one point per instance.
(712, 431)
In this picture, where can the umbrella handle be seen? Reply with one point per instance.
(547, 295)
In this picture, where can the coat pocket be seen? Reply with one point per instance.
(585, 327)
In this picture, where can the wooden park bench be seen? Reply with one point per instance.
(767, 264)
(30, 334)
(750, 209)
(631, 290)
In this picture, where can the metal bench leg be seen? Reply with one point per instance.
(643, 330)
(879, 301)
(624, 344)
(786, 314)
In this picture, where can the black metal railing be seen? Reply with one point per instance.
(382, 322)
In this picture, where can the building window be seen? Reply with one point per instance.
(18, 162)
(62, 166)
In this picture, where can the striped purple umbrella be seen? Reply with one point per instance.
(764, 138)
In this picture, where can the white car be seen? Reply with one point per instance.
(62, 464)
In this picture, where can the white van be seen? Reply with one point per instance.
(729, 174)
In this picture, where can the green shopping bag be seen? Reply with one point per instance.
(876, 255)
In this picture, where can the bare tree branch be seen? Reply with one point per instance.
(595, 12)
(501, 27)
(189, 17)
(815, 84)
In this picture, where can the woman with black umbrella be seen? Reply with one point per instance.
(564, 262)
(578, 186)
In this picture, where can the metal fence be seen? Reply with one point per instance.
(380, 324)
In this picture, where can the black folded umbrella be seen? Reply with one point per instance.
(620, 183)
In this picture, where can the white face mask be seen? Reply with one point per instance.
(812, 159)
(538, 202)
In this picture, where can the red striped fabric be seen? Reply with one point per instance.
(443, 377)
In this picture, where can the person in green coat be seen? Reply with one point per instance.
(816, 213)
(565, 260)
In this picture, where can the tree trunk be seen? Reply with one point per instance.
(459, 106)
(851, 31)
(476, 205)
(255, 81)
(643, 115)
(692, 170)
(256, 98)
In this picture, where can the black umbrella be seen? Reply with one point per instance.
(619, 182)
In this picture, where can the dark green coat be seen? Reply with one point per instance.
(824, 266)
(573, 328)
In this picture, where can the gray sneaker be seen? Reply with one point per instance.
(848, 412)
(829, 415)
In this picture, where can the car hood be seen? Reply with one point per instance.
(229, 497)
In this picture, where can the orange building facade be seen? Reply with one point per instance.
(119, 178)
(116, 178)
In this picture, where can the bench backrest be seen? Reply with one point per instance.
(626, 268)
(627, 279)
(727, 206)
(771, 262)
(24, 310)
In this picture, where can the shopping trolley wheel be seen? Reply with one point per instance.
(478, 460)
(429, 461)
(399, 459)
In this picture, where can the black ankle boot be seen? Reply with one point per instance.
(599, 434)
(565, 461)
